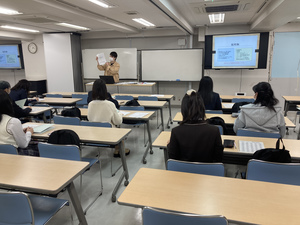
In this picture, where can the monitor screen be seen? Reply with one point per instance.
(235, 51)
(11, 57)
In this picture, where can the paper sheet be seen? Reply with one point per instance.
(124, 113)
(138, 115)
(101, 58)
(228, 105)
(250, 146)
(38, 128)
(36, 109)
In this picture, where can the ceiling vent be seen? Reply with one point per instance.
(40, 20)
(224, 8)
(132, 13)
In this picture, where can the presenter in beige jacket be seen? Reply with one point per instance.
(110, 68)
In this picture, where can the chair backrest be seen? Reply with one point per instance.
(220, 129)
(284, 173)
(250, 133)
(54, 95)
(214, 111)
(161, 217)
(235, 100)
(83, 100)
(64, 137)
(218, 121)
(8, 149)
(148, 98)
(66, 120)
(215, 169)
(95, 124)
(67, 152)
(137, 108)
(124, 97)
(15, 208)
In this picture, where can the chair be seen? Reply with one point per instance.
(66, 120)
(20, 208)
(214, 169)
(283, 173)
(47, 116)
(214, 111)
(83, 101)
(162, 217)
(69, 152)
(124, 97)
(235, 100)
(250, 133)
(151, 98)
(98, 124)
(8, 149)
(220, 129)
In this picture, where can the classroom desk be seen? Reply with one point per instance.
(288, 100)
(160, 97)
(245, 201)
(97, 135)
(59, 101)
(290, 144)
(228, 98)
(146, 118)
(65, 94)
(228, 119)
(39, 110)
(43, 176)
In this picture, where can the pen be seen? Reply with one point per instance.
(234, 145)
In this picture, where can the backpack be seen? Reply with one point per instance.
(218, 121)
(64, 137)
(71, 112)
(236, 107)
(132, 103)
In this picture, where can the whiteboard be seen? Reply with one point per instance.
(127, 58)
(172, 65)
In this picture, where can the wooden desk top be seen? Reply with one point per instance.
(140, 84)
(230, 97)
(38, 110)
(228, 119)
(290, 144)
(159, 96)
(291, 98)
(152, 104)
(84, 112)
(66, 94)
(237, 199)
(59, 101)
(99, 135)
(37, 174)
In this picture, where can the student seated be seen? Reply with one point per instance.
(102, 110)
(210, 98)
(263, 115)
(18, 112)
(11, 131)
(194, 139)
(20, 91)
(109, 98)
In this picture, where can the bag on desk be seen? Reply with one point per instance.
(71, 112)
(132, 103)
(273, 154)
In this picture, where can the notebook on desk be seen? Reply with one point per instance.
(108, 79)
(38, 128)
(21, 103)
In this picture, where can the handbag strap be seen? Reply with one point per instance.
(278, 143)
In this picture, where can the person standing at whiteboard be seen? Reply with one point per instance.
(110, 68)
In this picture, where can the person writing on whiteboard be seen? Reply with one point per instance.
(110, 68)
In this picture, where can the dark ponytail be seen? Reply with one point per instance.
(265, 95)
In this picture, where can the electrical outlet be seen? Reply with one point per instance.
(174, 98)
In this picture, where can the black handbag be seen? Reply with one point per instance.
(273, 154)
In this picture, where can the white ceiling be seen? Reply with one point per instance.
(184, 15)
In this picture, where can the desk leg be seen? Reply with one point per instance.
(162, 119)
(76, 203)
(170, 114)
(149, 146)
(124, 174)
(166, 156)
(286, 107)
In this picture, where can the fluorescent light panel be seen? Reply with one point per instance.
(144, 22)
(102, 4)
(216, 18)
(9, 11)
(73, 26)
(19, 29)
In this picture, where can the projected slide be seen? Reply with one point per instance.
(235, 51)
(9, 56)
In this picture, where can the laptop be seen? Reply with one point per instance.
(21, 103)
(108, 79)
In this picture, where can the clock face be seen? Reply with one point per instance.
(32, 48)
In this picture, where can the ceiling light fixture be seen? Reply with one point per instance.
(102, 4)
(19, 29)
(216, 18)
(9, 11)
(298, 18)
(73, 26)
(144, 22)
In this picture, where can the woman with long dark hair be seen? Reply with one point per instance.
(21, 91)
(263, 115)
(194, 139)
(210, 98)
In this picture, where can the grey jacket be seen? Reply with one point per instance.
(260, 118)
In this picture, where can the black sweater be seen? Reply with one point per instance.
(199, 142)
